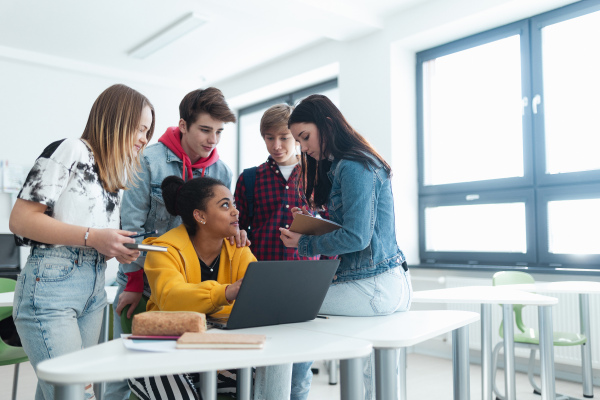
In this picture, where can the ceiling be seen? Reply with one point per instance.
(96, 36)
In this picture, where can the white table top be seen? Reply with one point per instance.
(482, 295)
(401, 329)
(582, 287)
(112, 361)
(6, 299)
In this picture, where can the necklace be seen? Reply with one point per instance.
(211, 268)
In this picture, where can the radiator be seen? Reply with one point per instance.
(565, 317)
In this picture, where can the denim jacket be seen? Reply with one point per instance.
(143, 208)
(361, 201)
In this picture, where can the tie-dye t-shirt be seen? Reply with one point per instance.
(65, 178)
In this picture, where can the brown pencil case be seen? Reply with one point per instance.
(168, 323)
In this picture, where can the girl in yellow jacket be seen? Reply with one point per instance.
(200, 271)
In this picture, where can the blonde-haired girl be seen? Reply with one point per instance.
(68, 212)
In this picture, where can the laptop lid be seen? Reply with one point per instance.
(280, 292)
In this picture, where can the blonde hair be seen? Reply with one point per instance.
(275, 117)
(111, 130)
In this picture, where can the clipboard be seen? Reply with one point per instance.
(309, 225)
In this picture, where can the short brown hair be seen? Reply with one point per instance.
(275, 117)
(110, 131)
(210, 101)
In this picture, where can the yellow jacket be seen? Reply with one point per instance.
(175, 279)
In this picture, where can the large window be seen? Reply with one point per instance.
(252, 150)
(509, 144)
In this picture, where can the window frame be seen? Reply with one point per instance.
(290, 98)
(536, 187)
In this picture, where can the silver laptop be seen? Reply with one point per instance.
(278, 292)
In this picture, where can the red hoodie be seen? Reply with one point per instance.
(172, 139)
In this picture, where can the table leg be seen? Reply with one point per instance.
(460, 363)
(586, 350)
(402, 374)
(333, 372)
(486, 352)
(104, 332)
(509, 352)
(546, 352)
(68, 392)
(351, 379)
(386, 381)
(244, 383)
(208, 385)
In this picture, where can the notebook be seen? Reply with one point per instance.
(278, 292)
(203, 340)
(309, 225)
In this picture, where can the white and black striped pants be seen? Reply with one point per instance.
(166, 387)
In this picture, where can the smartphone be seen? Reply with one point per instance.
(144, 247)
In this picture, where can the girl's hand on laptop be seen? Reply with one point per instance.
(231, 291)
(289, 238)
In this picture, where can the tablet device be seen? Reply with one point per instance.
(144, 247)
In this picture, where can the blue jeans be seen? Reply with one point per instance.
(118, 390)
(301, 380)
(273, 382)
(58, 306)
(382, 294)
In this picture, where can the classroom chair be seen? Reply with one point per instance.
(527, 337)
(10, 354)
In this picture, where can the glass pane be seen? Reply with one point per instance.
(333, 94)
(571, 61)
(472, 113)
(573, 226)
(476, 228)
(252, 146)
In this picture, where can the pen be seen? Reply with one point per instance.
(322, 316)
(144, 234)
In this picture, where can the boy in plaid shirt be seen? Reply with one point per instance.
(275, 194)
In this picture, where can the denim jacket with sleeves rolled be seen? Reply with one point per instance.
(143, 208)
(361, 201)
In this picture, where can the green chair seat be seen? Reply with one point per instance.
(531, 336)
(10, 355)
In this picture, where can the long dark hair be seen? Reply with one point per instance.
(182, 198)
(337, 138)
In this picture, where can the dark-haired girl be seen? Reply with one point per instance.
(342, 171)
(201, 271)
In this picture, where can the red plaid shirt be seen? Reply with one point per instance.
(274, 197)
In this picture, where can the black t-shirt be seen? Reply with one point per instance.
(209, 273)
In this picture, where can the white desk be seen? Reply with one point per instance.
(398, 331)
(583, 289)
(285, 344)
(486, 296)
(6, 299)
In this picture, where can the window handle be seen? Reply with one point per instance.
(537, 100)
(524, 103)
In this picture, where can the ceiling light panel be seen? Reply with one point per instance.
(168, 35)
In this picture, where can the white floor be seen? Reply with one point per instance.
(427, 378)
